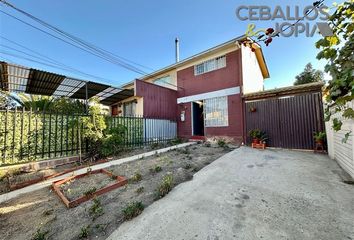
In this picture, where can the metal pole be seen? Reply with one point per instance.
(86, 98)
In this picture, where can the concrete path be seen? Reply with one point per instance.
(8, 196)
(253, 194)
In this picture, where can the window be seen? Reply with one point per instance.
(164, 81)
(216, 112)
(210, 65)
(129, 108)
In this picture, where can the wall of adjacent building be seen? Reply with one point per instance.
(342, 152)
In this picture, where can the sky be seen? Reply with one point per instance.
(144, 32)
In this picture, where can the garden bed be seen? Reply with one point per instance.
(81, 188)
(18, 179)
(97, 218)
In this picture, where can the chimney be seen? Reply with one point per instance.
(177, 49)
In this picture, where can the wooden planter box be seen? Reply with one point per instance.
(259, 145)
(120, 181)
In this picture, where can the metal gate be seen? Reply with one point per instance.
(289, 121)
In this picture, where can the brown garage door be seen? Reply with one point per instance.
(289, 121)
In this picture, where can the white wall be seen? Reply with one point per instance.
(343, 153)
(252, 74)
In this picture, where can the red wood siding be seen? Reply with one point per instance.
(158, 102)
(227, 77)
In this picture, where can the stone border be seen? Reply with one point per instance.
(10, 195)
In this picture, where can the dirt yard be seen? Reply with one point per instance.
(21, 217)
(16, 176)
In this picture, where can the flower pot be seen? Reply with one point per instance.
(319, 142)
(255, 141)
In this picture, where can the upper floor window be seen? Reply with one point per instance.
(210, 65)
(165, 81)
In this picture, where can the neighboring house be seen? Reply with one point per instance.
(202, 92)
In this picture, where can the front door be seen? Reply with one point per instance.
(198, 118)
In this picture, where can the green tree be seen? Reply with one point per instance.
(309, 75)
(339, 51)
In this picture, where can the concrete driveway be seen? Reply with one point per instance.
(253, 194)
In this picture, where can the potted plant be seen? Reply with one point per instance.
(256, 135)
(319, 138)
(263, 138)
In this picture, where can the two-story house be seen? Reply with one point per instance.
(203, 92)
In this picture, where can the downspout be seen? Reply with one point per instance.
(243, 109)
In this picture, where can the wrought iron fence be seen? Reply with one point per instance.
(27, 136)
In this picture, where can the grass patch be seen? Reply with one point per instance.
(165, 187)
(133, 210)
(156, 169)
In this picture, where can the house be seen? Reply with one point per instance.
(203, 92)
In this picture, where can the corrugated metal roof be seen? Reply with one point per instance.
(15, 78)
(310, 87)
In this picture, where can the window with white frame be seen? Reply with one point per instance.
(210, 65)
(216, 112)
(164, 81)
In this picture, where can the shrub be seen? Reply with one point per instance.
(96, 209)
(39, 235)
(84, 232)
(133, 210)
(165, 187)
(113, 141)
(137, 177)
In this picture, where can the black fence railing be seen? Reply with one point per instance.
(27, 136)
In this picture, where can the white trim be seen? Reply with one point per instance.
(203, 96)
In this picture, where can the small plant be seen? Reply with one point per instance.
(133, 210)
(157, 169)
(221, 142)
(188, 166)
(176, 141)
(165, 187)
(154, 146)
(140, 190)
(319, 137)
(96, 209)
(137, 177)
(84, 232)
(90, 192)
(255, 133)
(39, 235)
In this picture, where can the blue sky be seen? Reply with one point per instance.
(144, 31)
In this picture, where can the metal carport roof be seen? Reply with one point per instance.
(15, 78)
